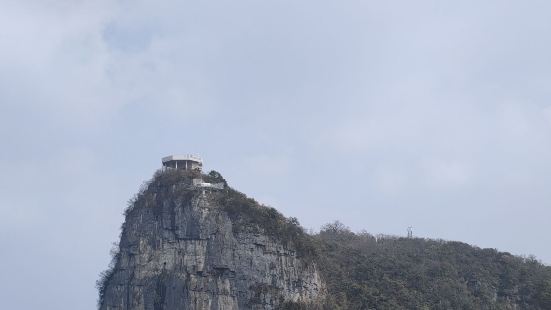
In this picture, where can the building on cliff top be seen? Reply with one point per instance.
(185, 162)
(190, 162)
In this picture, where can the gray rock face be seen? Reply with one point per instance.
(179, 249)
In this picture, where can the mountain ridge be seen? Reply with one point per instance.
(183, 246)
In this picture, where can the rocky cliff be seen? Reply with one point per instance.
(186, 247)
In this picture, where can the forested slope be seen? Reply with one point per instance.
(364, 272)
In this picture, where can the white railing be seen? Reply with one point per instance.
(182, 157)
(201, 184)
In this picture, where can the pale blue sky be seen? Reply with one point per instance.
(381, 114)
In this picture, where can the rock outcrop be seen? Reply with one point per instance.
(181, 248)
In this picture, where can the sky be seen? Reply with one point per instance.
(379, 114)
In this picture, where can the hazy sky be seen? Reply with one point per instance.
(381, 114)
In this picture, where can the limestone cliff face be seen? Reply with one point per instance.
(181, 249)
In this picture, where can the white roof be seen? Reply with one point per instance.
(183, 157)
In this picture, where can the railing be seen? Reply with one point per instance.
(183, 157)
(201, 184)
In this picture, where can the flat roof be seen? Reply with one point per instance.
(183, 157)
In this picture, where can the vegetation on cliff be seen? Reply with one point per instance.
(248, 215)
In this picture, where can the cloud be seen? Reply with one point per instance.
(547, 114)
(448, 174)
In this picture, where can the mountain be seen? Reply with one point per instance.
(187, 244)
